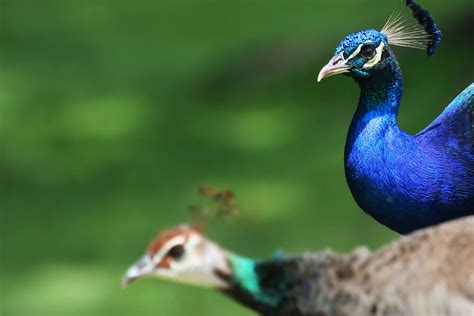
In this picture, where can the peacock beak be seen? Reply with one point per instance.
(337, 65)
(141, 268)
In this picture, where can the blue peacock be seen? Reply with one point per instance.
(404, 181)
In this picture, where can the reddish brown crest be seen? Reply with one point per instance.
(207, 191)
(217, 204)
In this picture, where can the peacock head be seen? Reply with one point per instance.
(360, 55)
(182, 254)
(367, 53)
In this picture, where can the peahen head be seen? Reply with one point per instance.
(367, 53)
(182, 254)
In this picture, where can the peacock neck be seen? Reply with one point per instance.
(380, 94)
(377, 111)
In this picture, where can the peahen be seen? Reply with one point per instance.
(429, 272)
(404, 181)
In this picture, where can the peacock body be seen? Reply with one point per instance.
(404, 181)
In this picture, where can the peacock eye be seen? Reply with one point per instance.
(176, 252)
(367, 51)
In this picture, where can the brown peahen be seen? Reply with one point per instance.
(429, 272)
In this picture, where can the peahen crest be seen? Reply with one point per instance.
(214, 204)
(419, 31)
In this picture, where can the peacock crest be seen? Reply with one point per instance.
(418, 31)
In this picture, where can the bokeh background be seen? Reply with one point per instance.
(114, 112)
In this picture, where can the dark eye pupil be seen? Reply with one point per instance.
(176, 252)
(367, 51)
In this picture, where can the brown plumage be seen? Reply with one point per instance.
(429, 272)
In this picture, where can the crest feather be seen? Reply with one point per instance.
(420, 32)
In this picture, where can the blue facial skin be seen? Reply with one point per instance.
(404, 181)
(350, 44)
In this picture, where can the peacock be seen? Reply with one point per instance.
(428, 272)
(404, 181)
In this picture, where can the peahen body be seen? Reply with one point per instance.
(404, 181)
(429, 272)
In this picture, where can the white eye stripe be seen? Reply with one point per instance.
(378, 56)
(178, 240)
(357, 51)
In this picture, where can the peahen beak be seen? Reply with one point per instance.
(141, 268)
(337, 65)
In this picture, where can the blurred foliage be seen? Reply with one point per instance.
(114, 112)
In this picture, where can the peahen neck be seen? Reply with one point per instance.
(307, 284)
(245, 285)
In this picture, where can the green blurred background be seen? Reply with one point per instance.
(114, 112)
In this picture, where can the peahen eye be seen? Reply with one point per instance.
(367, 51)
(176, 252)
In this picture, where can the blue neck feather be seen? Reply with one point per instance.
(379, 99)
(381, 93)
